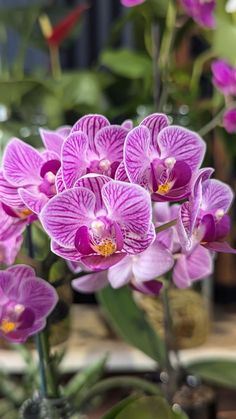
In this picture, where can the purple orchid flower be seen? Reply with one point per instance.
(25, 303)
(131, 3)
(202, 11)
(224, 77)
(93, 146)
(229, 121)
(163, 158)
(99, 221)
(204, 218)
(11, 237)
(30, 174)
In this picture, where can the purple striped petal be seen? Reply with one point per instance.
(66, 253)
(64, 130)
(110, 141)
(182, 144)
(94, 183)
(21, 272)
(96, 262)
(34, 202)
(136, 155)
(216, 195)
(192, 267)
(50, 155)
(152, 263)
(121, 273)
(129, 205)
(9, 193)
(52, 140)
(184, 226)
(65, 213)
(138, 243)
(127, 124)
(155, 123)
(59, 183)
(90, 283)
(21, 163)
(74, 158)
(90, 125)
(121, 173)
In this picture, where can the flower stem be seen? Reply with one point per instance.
(166, 226)
(155, 59)
(212, 124)
(55, 62)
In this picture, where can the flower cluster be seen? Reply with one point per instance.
(224, 79)
(123, 204)
(25, 302)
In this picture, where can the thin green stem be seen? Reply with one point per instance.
(55, 62)
(166, 226)
(155, 58)
(212, 124)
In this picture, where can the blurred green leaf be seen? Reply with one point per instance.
(224, 35)
(119, 407)
(12, 91)
(127, 63)
(219, 371)
(130, 323)
(57, 271)
(85, 378)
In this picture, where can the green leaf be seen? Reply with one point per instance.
(130, 323)
(12, 91)
(85, 378)
(221, 371)
(151, 407)
(127, 63)
(119, 407)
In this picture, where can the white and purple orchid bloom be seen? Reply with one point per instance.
(29, 175)
(25, 302)
(99, 221)
(203, 219)
(224, 77)
(202, 11)
(11, 237)
(163, 158)
(93, 146)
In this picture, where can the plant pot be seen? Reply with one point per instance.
(198, 402)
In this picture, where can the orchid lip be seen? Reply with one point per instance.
(170, 162)
(105, 165)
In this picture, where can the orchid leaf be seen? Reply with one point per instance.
(126, 63)
(119, 407)
(218, 371)
(129, 322)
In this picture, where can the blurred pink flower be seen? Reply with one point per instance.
(131, 3)
(229, 120)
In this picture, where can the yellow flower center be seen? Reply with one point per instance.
(106, 248)
(7, 326)
(164, 188)
(25, 212)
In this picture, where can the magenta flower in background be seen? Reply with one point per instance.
(93, 146)
(99, 221)
(204, 220)
(224, 77)
(31, 173)
(202, 11)
(229, 121)
(163, 158)
(25, 302)
(131, 3)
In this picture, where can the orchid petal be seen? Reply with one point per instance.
(216, 195)
(121, 173)
(66, 253)
(110, 141)
(129, 205)
(121, 273)
(90, 125)
(182, 144)
(90, 283)
(155, 123)
(21, 163)
(39, 295)
(60, 186)
(151, 288)
(65, 213)
(97, 262)
(222, 247)
(9, 193)
(137, 243)
(94, 183)
(74, 158)
(34, 202)
(136, 155)
(52, 140)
